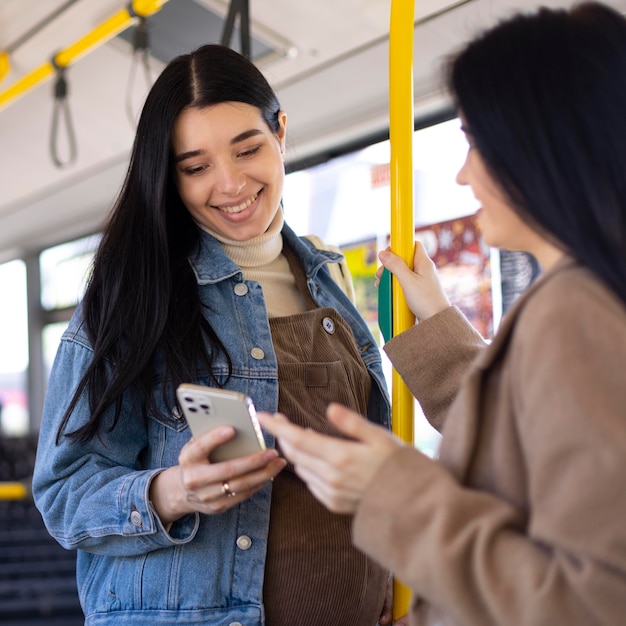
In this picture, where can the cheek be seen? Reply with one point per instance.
(266, 172)
(191, 191)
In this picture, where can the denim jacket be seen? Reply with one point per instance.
(94, 497)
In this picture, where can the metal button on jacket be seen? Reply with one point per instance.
(136, 519)
(257, 354)
(244, 542)
(241, 289)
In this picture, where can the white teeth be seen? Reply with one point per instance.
(239, 208)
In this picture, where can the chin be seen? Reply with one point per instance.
(489, 238)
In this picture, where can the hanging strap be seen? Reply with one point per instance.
(141, 55)
(61, 107)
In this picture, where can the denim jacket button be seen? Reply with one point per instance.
(136, 519)
(257, 354)
(244, 542)
(235, 624)
(241, 289)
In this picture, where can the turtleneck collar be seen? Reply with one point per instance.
(257, 251)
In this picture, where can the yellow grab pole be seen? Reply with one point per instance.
(64, 58)
(401, 125)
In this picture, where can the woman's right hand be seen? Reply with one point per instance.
(196, 484)
(422, 288)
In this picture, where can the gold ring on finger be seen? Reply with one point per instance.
(227, 491)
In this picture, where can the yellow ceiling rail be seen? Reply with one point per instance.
(401, 123)
(5, 64)
(5, 55)
(64, 58)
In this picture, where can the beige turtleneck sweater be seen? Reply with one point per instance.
(261, 259)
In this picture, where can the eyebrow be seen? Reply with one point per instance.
(235, 140)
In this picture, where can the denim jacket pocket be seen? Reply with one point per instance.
(169, 417)
(167, 413)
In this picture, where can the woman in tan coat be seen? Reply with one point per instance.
(522, 518)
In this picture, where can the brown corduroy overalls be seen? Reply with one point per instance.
(313, 574)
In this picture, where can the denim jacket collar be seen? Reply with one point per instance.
(212, 265)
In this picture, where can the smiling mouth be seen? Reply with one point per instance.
(239, 207)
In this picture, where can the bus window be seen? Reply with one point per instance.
(14, 351)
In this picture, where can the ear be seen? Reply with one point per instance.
(281, 134)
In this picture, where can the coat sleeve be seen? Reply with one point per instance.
(95, 496)
(473, 557)
(432, 357)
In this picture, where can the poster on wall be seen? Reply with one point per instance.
(362, 259)
(463, 262)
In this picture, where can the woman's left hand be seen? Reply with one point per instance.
(337, 471)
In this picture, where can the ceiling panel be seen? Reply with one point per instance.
(183, 25)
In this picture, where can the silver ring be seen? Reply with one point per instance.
(227, 491)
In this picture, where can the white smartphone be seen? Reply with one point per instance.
(206, 408)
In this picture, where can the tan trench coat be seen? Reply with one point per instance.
(522, 519)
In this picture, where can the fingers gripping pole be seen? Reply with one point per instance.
(402, 222)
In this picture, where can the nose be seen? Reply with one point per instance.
(231, 180)
(461, 177)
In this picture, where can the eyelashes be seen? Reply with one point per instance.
(194, 170)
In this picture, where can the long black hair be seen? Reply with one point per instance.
(544, 98)
(142, 296)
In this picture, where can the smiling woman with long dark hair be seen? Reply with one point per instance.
(199, 280)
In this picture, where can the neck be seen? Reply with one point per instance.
(257, 251)
(547, 255)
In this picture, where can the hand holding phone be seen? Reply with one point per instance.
(206, 408)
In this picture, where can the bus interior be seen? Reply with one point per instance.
(65, 153)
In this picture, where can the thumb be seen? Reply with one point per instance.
(395, 264)
(422, 261)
